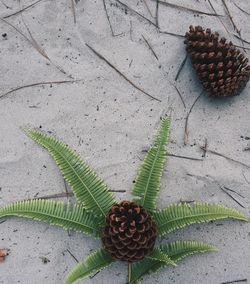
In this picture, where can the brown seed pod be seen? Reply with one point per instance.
(130, 232)
(222, 69)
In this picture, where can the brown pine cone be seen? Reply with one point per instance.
(222, 68)
(130, 232)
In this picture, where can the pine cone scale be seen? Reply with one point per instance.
(130, 232)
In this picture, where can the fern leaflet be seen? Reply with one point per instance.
(88, 188)
(177, 216)
(57, 213)
(95, 262)
(148, 182)
(175, 251)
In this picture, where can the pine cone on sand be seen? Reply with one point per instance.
(222, 68)
(130, 232)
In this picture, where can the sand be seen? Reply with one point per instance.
(109, 123)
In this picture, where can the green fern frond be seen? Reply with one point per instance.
(158, 255)
(177, 216)
(148, 181)
(95, 262)
(175, 251)
(57, 213)
(179, 249)
(88, 188)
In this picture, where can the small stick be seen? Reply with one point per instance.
(211, 5)
(186, 201)
(34, 43)
(57, 195)
(146, 4)
(243, 47)
(6, 6)
(23, 9)
(244, 40)
(157, 13)
(73, 8)
(107, 15)
(226, 157)
(184, 157)
(131, 31)
(205, 148)
(188, 9)
(235, 281)
(1, 222)
(232, 21)
(230, 195)
(120, 73)
(186, 123)
(241, 9)
(181, 66)
(169, 33)
(37, 84)
(230, 17)
(247, 181)
(138, 14)
(150, 47)
(227, 188)
(66, 188)
(72, 255)
(179, 93)
(91, 277)
(68, 194)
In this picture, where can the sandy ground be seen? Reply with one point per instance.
(109, 123)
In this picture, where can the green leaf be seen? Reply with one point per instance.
(95, 262)
(175, 251)
(88, 188)
(179, 249)
(158, 255)
(148, 182)
(56, 213)
(177, 216)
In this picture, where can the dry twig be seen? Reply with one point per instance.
(180, 68)
(170, 33)
(179, 93)
(235, 281)
(231, 196)
(35, 44)
(157, 13)
(211, 5)
(72, 255)
(226, 157)
(242, 10)
(73, 8)
(186, 122)
(146, 4)
(188, 9)
(120, 73)
(37, 84)
(184, 157)
(135, 12)
(23, 9)
(107, 15)
(150, 47)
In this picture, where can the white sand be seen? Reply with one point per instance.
(109, 123)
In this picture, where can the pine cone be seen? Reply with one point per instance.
(130, 232)
(221, 67)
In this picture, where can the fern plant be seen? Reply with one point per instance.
(128, 229)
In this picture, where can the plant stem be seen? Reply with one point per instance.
(129, 273)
